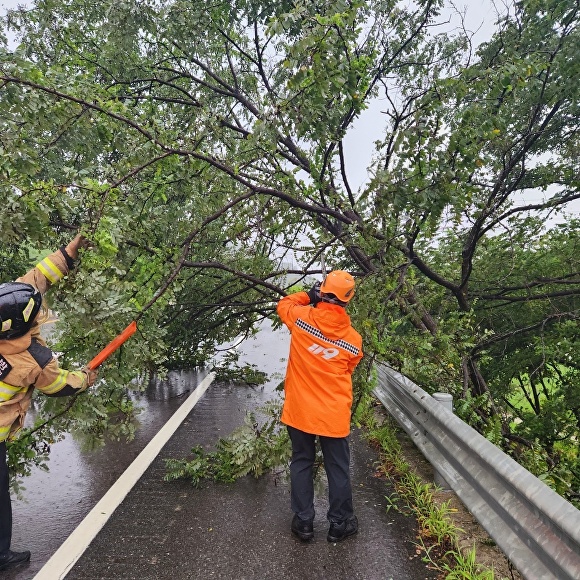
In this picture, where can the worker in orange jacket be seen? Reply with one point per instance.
(324, 351)
(26, 364)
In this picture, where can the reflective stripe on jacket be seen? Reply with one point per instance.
(324, 351)
(31, 363)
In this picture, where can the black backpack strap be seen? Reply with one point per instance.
(41, 354)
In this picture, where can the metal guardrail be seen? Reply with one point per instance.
(538, 530)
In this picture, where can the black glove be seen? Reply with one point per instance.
(314, 294)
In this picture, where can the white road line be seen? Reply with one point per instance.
(74, 546)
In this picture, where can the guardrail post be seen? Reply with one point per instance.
(447, 401)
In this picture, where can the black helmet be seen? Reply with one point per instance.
(19, 305)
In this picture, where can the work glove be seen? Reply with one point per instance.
(72, 248)
(314, 294)
(91, 376)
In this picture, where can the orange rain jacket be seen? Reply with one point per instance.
(324, 351)
(27, 363)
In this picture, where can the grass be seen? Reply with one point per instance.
(438, 538)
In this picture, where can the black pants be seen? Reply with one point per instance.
(5, 505)
(336, 452)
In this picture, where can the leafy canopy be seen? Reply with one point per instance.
(204, 148)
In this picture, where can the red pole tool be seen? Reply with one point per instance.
(113, 346)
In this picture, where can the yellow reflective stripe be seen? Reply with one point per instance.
(49, 270)
(58, 384)
(8, 391)
(4, 432)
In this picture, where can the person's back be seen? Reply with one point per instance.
(324, 350)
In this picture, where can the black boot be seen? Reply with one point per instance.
(340, 530)
(304, 529)
(10, 558)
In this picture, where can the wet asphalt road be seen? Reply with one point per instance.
(54, 502)
(173, 530)
(242, 531)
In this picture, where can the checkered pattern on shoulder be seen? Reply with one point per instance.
(315, 332)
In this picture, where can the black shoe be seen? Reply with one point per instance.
(340, 530)
(11, 558)
(304, 529)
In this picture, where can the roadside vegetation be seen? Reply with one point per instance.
(438, 535)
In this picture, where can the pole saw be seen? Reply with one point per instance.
(121, 338)
(130, 330)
